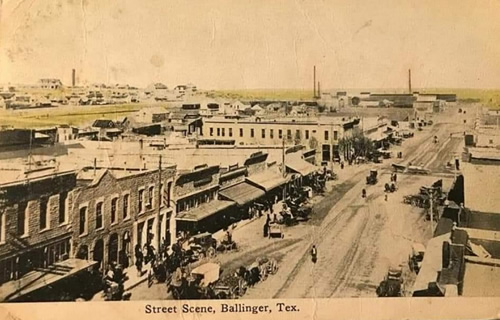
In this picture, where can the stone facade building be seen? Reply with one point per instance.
(116, 209)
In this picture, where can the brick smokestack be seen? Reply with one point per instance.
(73, 77)
(314, 82)
(409, 81)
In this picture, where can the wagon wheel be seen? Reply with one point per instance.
(210, 252)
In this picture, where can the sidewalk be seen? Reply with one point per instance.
(133, 280)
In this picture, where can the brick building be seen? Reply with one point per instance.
(116, 209)
(320, 134)
(35, 228)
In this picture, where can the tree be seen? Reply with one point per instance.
(313, 143)
(356, 145)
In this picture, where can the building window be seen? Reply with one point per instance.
(44, 216)
(335, 135)
(271, 133)
(230, 132)
(149, 203)
(263, 133)
(241, 132)
(126, 199)
(251, 133)
(326, 135)
(140, 201)
(297, 135)
(289, 134)
(114, 203)
(83, 220)
(22, 220)
(223, 132)
(2, 227)
(62, 207)
(218, 132)
(280, 134)
(98, 215)
(307, 134)
(211, 132)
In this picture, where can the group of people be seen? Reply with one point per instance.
(113, 282)
(143, 256)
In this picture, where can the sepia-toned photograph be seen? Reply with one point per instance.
(246, 150)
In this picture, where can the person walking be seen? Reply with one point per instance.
(314, 254)
(139, 257)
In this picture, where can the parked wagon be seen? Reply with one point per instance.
(417, 200)
(276, 231)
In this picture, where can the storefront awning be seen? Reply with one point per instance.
(204, 210)
(301, 166)
(40, 278)
(377, 136)
(267, 180)
(242, 193)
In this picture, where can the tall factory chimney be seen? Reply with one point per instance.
(319, 89)
(73, 78)
(409, 81)
(314, 82)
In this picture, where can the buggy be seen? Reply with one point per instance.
(202, 245)
(392, 285)
(372, 177)
(416, 257)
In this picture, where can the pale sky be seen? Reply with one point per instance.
(228, 44)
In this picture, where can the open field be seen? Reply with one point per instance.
(72, 115)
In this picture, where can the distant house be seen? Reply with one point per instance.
(151, 115)
(185, 89)
(103, 124)
(50, 83)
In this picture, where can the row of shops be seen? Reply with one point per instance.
(86, 220)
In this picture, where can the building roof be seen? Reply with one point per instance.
(267, 180)
(431, 264)
(204, 210)
(481, 280)
(301, 166)
(38, 279)
(485, 198)
(242, 193)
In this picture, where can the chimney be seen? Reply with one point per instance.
(73, 78)
(314, 82)
(319, 89)
(409, 81)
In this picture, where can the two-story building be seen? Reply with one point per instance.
(320, 134)
(35, 231)
(115, 210)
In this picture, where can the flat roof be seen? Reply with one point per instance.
(481, 280)
(288, 121)
(481, 186)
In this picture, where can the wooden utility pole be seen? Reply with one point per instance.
(283, 168)
(158, 211)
